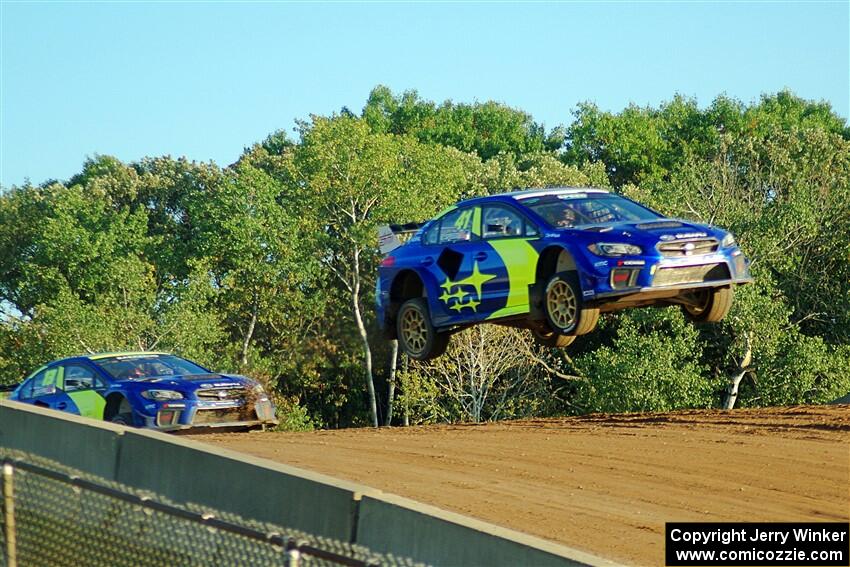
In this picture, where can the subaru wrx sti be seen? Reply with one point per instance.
(550, 261)
(147, 389)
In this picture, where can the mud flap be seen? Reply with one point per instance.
(535, 301)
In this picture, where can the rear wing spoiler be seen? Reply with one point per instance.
(391, 236)
(4, 388)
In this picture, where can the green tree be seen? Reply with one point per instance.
(653, 363)
(252, 249)
(57, 238)
(344, 182)
(486, 128)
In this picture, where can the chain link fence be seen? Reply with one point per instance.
(52, 515)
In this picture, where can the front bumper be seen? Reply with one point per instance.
(655, 290)
(198, 414)
(218, 426)
(660, 277)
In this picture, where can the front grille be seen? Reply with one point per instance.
(221, 394)
(222, 415)
(686, 248)
(691, 274)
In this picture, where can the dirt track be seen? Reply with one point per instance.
(604, 484)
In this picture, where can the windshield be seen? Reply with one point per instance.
(134, 367)
(576, 209)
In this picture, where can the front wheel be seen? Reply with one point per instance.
(545, 336)
(123, 413)
(416, 335)
(564, 307)
(709, 305)
(123, 419)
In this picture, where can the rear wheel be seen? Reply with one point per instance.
(416, 335)
(708, 305)
(564, 307)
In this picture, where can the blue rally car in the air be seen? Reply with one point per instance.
(551, 261)
(147, 389)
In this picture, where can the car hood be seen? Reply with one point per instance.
(659, 230)
(192, 382)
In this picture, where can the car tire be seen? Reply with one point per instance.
(564, 306)
(545, 336)
(123, 419)
(417, 337)
(711, 305)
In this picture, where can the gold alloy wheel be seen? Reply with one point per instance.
(414, 331)
(562, 305)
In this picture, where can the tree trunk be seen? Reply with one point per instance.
(735, 381)
(391, 380)
(406, 400)
(361, 328)
(248, 335)
(732, 390)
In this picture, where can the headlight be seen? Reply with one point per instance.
(728, 240)
(614, 249)
(161, 395)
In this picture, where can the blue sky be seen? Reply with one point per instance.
(204, 80)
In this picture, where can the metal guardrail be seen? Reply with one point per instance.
(55, 517)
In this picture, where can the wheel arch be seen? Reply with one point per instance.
(115, 402)
(552, 260)
(407, 284)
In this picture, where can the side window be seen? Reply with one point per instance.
(457, 226)
(501, 222)
(26, 390)
(44, 383)
(79, 377)
(432, 234)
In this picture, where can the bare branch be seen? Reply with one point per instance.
(88, 349)
(570, 377)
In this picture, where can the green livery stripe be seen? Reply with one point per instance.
(36, 371)
(520, 260)
(445, 211)
(89, 402)
(476, 221)
(114, 354)
(54, 377)
(464, 220)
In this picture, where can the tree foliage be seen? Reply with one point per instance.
(267, 267)
(487, 129)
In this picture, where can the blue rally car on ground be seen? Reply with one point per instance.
(147, 389)
(551, 261)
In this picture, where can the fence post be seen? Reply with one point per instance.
(293, 557)
(9, 515)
